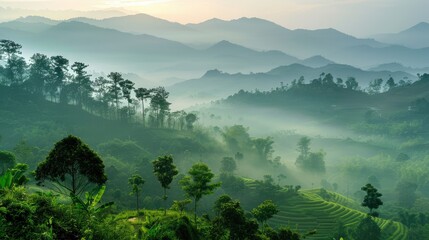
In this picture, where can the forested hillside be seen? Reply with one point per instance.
(310, 150)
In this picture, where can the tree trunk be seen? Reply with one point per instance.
(137, 194)
(117, 105)
(143, 112)
(165, 201)
(195, 211)
(73, 182)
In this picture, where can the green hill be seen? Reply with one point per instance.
(309, 211)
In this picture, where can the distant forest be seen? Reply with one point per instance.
(112, 97)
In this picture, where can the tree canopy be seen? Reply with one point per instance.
(372, 199)
(72, 167)
(164, 170)
(198, 183)
(266, 210)
(136, 182)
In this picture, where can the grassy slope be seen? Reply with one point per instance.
(309, 211)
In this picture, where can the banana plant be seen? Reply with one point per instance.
(14, 177)
(6, 180)
(91, 201)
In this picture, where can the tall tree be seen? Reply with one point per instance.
(375, 86)
(328, 80)
(115, 88)
(164, 170)
(8, 48)
(71, 167)
(81, 82)
(303, 146)
(264, 147)
(136, 182)
(390, 83)
(127, 87)
(351, 83)
(198, 183)
(59, 68)
(39, 74)
(190, 119)
(159, 104)
(142, 94)
(15, 64)
(309, 161)
(101, 87)
(372, 199)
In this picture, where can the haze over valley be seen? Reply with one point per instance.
(160, 119)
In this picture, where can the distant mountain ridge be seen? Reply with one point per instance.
(184, 51)
(416, 36)
(138, 24)
(395, 67)
(237, 30)
(264, 35)
(316, 61)
(215, 84)
(109, 49)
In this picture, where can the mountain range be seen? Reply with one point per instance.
(260, 34)
(215, 84)
(160, 49)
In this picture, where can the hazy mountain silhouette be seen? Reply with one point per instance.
(105, 48)
(416, 36)
(140, 24)
(366, 56)
(254, 33)
(8, 14)
(395, 67)
(215, 84)
(316, 61)
(264, 35)
(37, 19)
(316, 99)
(30, 24)
(226, 55)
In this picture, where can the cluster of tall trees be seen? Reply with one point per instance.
(328, 80)
(56, 79)
(308, 160)
(375, 86)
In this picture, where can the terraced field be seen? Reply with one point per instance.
(309, 211)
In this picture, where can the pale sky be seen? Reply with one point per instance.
(356, 17)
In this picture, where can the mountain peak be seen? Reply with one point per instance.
(70, 26)
(212, 73)
(225, 45)
(316, 61)
(211, 21)
(36, 19)
(422, 26)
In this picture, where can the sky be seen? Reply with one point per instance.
(357, 17)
